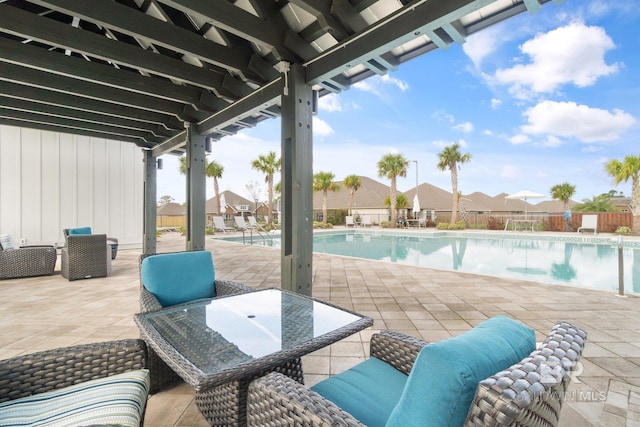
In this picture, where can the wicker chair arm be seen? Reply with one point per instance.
(276, 400)
(54, 369)
(227, 287)
(397, 349)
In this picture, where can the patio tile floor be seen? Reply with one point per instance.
(48, 312)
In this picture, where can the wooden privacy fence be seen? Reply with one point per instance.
(171, 221)
(608, 222)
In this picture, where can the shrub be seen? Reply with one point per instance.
(384, 224)
(494, 224)
(459, 225)
(209, 230)
(319, 224)
(623, 230)
(442, 226)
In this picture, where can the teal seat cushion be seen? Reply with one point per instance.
(116, 400)
(79, 230)
(443, 381)
(179, 277)
(369, 391)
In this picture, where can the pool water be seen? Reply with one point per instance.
(580, 261)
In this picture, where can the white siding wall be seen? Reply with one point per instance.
(50, 181)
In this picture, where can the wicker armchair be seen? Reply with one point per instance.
(27, 261)
(161, 374)
(520, 395)
(85, 257)
(47, 371)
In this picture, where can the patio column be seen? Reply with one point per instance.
(297, 181)
(196, 189)
(149, 208)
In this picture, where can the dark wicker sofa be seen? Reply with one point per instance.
(27, 261)
(529, 393)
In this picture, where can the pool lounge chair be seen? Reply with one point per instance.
(589, 222)
(366, 221)
(241, 224)
(348, 221)
(219, 225)
(254, 224)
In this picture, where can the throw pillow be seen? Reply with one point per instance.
(7, 243)
(444, 378)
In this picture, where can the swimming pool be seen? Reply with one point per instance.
(583, 261)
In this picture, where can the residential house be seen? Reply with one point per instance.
(171, 215)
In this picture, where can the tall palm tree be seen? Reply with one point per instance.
(392, 166)
(563, 192)
(628, 169)
(353, 183)
(323, 181)
(269, 165)
(215, 170)
(212, 169)
(451, 158)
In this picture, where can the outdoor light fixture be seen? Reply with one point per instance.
(207, 145)
(159, 163)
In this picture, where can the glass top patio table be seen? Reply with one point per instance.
(211, 342)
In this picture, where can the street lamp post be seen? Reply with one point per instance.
(415, 215)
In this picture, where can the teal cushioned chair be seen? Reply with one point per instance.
(175, 278)
(491, 375)
(83, 231)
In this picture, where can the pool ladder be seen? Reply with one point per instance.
(263, 234)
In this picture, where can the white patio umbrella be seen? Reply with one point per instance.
(524, 195)
(416, 206)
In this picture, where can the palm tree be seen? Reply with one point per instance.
(212, 169)
(353, 183)
(269, 165)
(215, 170)
(451, 158)
(629, 169)
(401, 201)
(323, 181)
(601, 203)
(392, 166)
(563, 192)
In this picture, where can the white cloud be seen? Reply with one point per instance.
(495, 103)
(519, 139)
(377, 84)
(573, 54)
(330, 103)
(466, 127)
(443, 116)
(321, 128)
(400, 84)
(570, 120)
(481, 44)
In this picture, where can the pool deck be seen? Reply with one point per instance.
(47, 312)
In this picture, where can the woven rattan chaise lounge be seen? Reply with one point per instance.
(526, 393)
(91, 384)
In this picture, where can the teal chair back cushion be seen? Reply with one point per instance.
(443, 381)
(180, 277)
(79, 230)
(369, 391)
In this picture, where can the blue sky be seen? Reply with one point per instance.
(537, 100)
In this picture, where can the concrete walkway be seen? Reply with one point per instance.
(44, 313)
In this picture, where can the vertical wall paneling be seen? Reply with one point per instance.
(50, 181)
